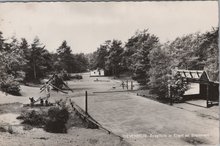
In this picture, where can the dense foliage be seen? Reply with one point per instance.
(143, 56)
(138, 49)
(194, 52)
(21, 62)
(65, 60)
(150, 62)
(11, 63)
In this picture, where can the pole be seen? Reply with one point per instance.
(207, 95)
(86, 106)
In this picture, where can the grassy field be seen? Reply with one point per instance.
(146, 122)
(139, 120)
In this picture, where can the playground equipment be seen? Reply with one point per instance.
(54, 82)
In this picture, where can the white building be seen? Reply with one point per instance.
(97, 73)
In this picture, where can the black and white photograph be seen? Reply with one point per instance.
(126, 73)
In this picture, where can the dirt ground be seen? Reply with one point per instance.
(75, 136)
(139, 120)
(12, 132)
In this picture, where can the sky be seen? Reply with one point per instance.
(86, 25)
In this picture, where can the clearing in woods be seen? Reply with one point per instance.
(142, 121)
(139, 120)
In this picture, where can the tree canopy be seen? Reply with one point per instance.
(150, 62)
(143, 56)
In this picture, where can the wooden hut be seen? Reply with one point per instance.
(208, 90)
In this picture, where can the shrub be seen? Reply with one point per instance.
(76, 77)
(33, 118)
(53, 121)
(57, 82)
(10, 86)
(179, 86)
(27, 127)
(2, 129)
(10, 130)
(57, 118)
(65, 75)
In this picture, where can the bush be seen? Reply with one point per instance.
(10, 130)
(57, 82)
(57, 118)
(2, 129)
(178, 86)
(34, 118)
(10, 86)
(52, 121)
(65, 75)
(76, 77)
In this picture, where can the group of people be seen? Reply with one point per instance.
(126, 85)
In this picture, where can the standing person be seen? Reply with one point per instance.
(170, 94)
(47, 94)
(132, 85)
(123, 84)
(127, 85)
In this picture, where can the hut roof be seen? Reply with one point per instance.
(194, 75)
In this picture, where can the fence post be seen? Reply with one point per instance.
(86, 102)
